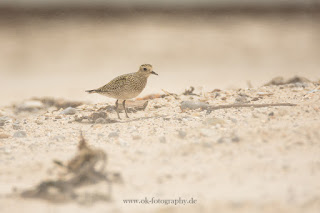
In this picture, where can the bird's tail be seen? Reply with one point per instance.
(91, 91)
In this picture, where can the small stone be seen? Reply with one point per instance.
(207, 144)
(162, 139)
(58, 138)
(205, 132)
(39, 122)
(193, 105)
(136, 137)
(264, 93)
(271, 114)
(96, 115)
(213, 121)
(254, 115)
(241, 99)
(234, 120)
(182, 134)
(4, 120)
(58, 117)
(69, 111)
(235, 139)
(16, 126)
(113, 135)
(301, 84)
(255, 98)
(3, 136)
(100, 121)
(20, 134)
(123, 142)
(221, 140)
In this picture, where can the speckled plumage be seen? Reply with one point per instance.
(126, 86)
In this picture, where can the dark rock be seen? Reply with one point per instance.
(271, 114)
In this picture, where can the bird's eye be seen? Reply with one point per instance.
(145, 69)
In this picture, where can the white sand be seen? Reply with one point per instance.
(232, 159)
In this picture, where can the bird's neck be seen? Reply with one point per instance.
(142, 75)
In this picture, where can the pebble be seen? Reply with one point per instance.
(264, 93)
(193, 105)
(182, 134)
(255, 115)
(205, 132)
(271, 114)
(213, 121)
(16, 126)
(58, 138)
(235, 139)
(100, 121)
(69, 111)
(20, 134)
(221, 140)
(3, 136)
(4, 120)
(162, 139)
(301, 84)
(96, 115)
(123, 142)
(39, 122)
(255, 98)
(113, 135)
(241, 99)
(136, 137)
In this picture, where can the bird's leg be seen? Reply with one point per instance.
(117, 110)
(124, 106)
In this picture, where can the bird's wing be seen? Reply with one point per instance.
(114, 84)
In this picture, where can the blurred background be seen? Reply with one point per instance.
(62, 47)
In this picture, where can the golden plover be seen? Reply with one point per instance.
(126, 86)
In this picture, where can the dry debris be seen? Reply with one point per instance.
(281, 81)
(171, 94)
(86, 168)
(190, 91)
(59, 103)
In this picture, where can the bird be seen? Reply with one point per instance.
(126, 86)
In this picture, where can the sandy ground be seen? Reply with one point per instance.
(238, 159)
(229, 160)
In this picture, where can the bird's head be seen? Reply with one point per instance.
(146, 69)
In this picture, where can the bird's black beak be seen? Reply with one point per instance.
(153, 72)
